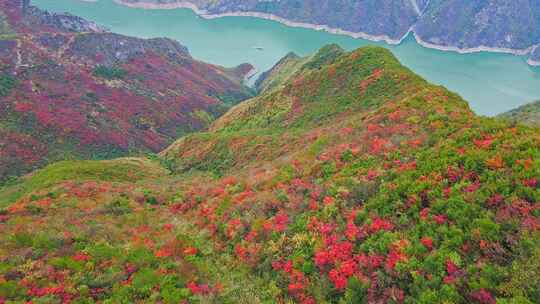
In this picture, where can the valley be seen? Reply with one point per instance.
(133, 172)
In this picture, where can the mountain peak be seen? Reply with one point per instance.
(325, 55)
(332, 81)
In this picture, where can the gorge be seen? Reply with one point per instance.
(508, 81)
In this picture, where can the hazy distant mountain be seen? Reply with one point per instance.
(507, 25)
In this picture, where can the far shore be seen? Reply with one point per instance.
(532, 61)
(377, 38)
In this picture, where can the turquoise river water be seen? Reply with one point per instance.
(492, 83)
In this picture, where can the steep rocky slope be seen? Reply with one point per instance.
(487, 23)
(69, 89)
(496, 25)
(349, 180)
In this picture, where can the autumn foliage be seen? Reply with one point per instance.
(383, 188)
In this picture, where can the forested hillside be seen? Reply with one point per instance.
(71, 90)
(349, 179)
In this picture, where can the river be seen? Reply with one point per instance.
(492, 83)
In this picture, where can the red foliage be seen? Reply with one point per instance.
(440, 219)
(328, 200)
(280, 221)
(484, 143)
(190, 251)
(427, 242)
(168, 227)
(322, 258)
(495, 200)
(531, 183)
(482, 296)
(81, 257)
(375, 75)
(379, 224)
(451, 268)
(164, 252)
(199, 289)
(351, 231)
(379, 145)
(338, 279)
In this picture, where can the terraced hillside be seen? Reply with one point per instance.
(69, 89)
(350, 180)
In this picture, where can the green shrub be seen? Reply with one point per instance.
(7, 83)
(144, 281)
(67, 263)
(110, 73)
(10, 290)
(149, 198)
(21, 239)
(118, 207)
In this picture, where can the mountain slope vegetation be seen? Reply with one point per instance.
(527, 114)
(70, 90)
(349, 180)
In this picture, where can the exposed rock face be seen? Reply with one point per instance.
(491, 23)
(114, 49)
(464, 25)
(61, 22)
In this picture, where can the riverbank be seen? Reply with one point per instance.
(532, 61)
(357, 35)
(517, 52)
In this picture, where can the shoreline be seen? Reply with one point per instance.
(531, 61)
(357, 35)
(478, 49)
